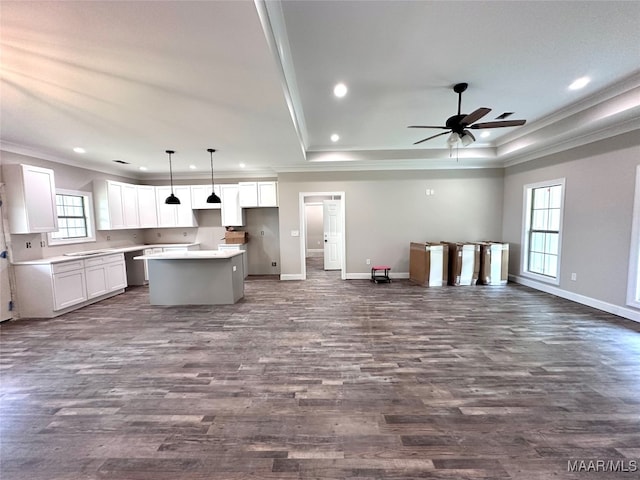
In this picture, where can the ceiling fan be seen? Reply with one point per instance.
(459, 124)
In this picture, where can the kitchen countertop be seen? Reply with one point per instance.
(191, 255)
(100, 252)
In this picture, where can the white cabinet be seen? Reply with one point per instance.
(199, 195)
(231, 214)
(47, 290)
(116, 205)
(175, 215)
(147, 209)
(248, 194)
(69, 285)
(267, 194)
(258, 194)
(31, 198)
(105, 274)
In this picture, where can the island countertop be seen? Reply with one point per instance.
(192, 255)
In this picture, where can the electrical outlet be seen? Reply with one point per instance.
(108, 237)
(184, 234)
(42, 243)
(28, 244)
(574, 277)
(274, 264)
(368, 261)
(262, 233)
(135, 235)
(159, 234)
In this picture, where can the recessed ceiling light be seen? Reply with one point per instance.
(79, 150)
(242, 165)
(144, 169)
(340, 90)
(485, 134)
(192, 167)
(579, 83)
(335, 137)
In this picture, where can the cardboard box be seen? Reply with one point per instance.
(429, 263)
(236, 237)
(494, 263)
(464, 263)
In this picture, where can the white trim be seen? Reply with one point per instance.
(291, 276)
(87, 198)
(303, 230)
(367, 276)
(526, 208)
(581, 299)
(633, 282)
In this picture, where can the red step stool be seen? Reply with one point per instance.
(377, 277)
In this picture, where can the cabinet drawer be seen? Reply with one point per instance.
(116, 257)
(90, 262)
(67, 266)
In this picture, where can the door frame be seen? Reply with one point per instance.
(303, 231)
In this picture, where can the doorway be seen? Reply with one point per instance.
(322, 233)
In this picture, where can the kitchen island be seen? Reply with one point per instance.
(199, 277)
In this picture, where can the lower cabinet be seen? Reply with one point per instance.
(47, 290)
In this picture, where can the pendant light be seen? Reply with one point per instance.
(213, 198)
(171, 199)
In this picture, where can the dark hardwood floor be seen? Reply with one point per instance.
(322, 379)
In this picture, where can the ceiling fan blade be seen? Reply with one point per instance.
(429, 138)
(428, 126)
(506, 123)
(475, 116)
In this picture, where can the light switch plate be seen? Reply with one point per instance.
(295, 233)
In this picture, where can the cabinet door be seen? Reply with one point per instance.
(167, 214)
(116, 275)
(32, 200)
(147, 214)
(69, 288)
(248, 194)
(96, 278)
(40, 194)
(184, 212)
(115, 200)
(231, 214)
(267, 194)
(199, 195)
(130, 206)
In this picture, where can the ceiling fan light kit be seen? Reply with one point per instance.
(457, 125)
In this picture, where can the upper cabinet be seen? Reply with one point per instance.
(31, 198)
(199, 195)
(258, 194)
(116, 205)
(175, 215)
(231, 214)
(147, 209)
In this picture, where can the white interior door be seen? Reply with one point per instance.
(332, 220)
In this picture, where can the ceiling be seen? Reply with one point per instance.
(129, 80)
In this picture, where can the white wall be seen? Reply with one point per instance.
(385, 211)
(599, 195)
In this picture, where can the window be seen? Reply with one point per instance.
(542, 233)
(75, 221)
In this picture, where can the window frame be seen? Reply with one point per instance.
(526, 230)
(87, 198)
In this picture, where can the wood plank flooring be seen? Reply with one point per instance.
(322, 379)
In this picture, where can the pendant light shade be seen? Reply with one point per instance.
(171, 199)
(213, 198)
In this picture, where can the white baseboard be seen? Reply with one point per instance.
(624, 312)
(291, 276)
(367, 276)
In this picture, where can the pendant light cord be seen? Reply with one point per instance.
(170, 152)
(211, 150)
